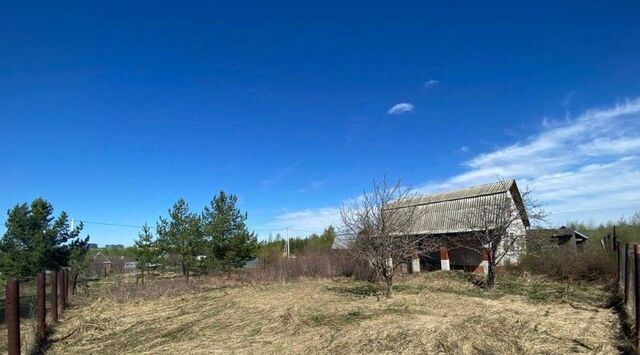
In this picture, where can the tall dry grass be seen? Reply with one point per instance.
(431, 313)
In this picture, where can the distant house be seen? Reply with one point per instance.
(452, 214)
(123, 264)
(551, 237)
(101, 263)
(92, 246)
(130, 266)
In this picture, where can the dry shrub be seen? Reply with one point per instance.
(591, 264)
(121, 287)
(309, 265)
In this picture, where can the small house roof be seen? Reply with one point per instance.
(99, 257)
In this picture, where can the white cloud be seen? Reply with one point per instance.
(430, 83)
(306, 221)
(582, 168)
(401, 108)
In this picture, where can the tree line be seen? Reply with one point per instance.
(216, 239)
(298, 245)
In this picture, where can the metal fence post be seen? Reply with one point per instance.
(54, 296)
(619, 268)
(41, 299)
(626, 273)
(12, 316)
(636, 290)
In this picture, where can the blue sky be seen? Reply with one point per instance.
(113, 110)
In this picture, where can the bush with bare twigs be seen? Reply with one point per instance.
(591, 264)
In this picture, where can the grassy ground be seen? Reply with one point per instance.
(430, 313)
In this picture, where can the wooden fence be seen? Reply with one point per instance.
(17, 304)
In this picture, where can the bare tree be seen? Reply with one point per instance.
(377, 228)
(496, 227)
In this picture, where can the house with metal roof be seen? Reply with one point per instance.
(456, 213)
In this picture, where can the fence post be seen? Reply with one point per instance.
(619, 268)
(61, 291)
(54, 295)
(41, 299)
(636, 290)
(12, 316)
(65, 282)
(626, 273)
(74, 283)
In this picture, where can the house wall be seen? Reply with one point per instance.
(517, 230)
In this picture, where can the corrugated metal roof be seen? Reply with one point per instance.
(468, 192)
(461, 210)
(456, 211)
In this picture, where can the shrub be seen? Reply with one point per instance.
(591, 264)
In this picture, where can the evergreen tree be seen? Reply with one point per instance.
(229, 241)
(35, 240)
(147, 252)
(181, 235)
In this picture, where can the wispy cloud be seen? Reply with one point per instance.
(587, 163)
(277, 177)
(430, 83)
(401, 108)
(568, 98)
(314, 185)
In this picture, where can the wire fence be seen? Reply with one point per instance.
(628, 280)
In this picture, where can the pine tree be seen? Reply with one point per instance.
(35, 240)
(229, 241)
(181, 235)
(147, 252)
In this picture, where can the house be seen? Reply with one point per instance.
(459, 214)
(123, 264)
(130, 266)
(101, 263)
(553, 238)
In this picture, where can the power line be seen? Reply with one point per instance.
(139, 226)
(112, 224)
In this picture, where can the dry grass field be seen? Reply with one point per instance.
(430, 313)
